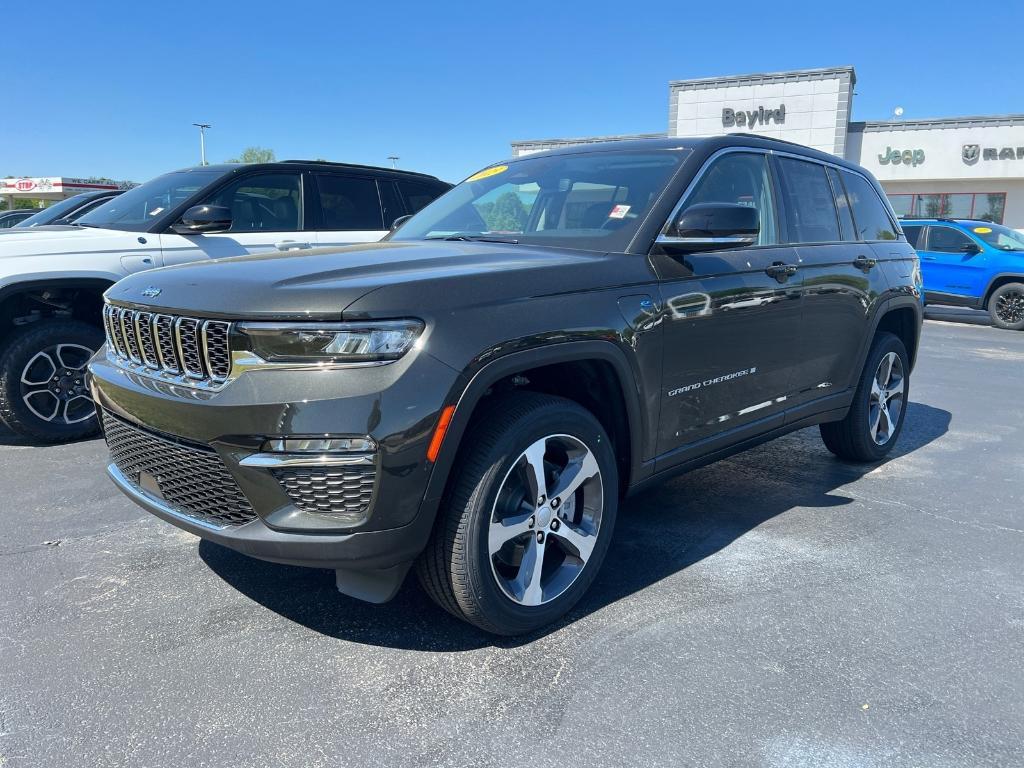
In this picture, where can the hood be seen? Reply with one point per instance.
(323, 282)
(40, 228)
(56, 240)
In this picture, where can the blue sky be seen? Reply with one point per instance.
(112, 88)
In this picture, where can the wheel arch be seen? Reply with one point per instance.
(77, 298)
(902, 316)
(997, 282)
(625, 425)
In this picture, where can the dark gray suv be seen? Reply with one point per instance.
(476, 394)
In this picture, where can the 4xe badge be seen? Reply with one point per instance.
(151, 293)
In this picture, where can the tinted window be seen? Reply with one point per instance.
(810, 208)
(391, 201)
(947, 240)
(871, 218)
(740, 178)
(842, 205)
(139, 208)
(417, 194)
(349, 203)
(913, 233)
(266, 202)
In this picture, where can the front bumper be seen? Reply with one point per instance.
(397, 405)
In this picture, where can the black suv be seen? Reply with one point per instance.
(477, 394)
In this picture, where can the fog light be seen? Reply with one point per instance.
(320, 445)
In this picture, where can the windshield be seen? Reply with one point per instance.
(1001, 237)
(54, 212)
(591, 200)
(137, 209)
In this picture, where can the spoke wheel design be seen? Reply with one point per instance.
(53, 384)
(885, 407)
(545, 520)
(1010, 307)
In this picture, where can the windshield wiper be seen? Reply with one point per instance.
(474, 238)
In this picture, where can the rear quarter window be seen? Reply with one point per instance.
(913, 234)
(869, 214)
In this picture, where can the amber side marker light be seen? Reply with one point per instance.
(439, 430)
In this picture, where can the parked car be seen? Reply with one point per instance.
(971, 263)
(10, 219)
(52, 281)
(68, 210)
(477, 393)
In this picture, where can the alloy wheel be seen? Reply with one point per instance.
(1010, 307)
(885, 407)
(53, 384)
(545, 520)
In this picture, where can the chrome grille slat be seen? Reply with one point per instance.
(180, 347)
(192, 478)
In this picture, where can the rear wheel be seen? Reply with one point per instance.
(875, 419)
(43, 394)
(1006, 306)
(529, 517)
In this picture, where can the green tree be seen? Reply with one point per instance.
(254, 155)
(506, 214)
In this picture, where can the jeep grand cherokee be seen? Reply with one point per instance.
(477, 394)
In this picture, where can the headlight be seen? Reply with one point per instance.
(350, 342)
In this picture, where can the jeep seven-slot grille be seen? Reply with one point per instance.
(190, 478)
(199, 349)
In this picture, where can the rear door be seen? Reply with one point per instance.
(266, 215)
(946, 264)
(350, 209)
(731, 336)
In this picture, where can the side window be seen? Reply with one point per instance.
(740, 177)
(947, 240)
(842, 205)
(810, 207)
(390, 201)
(266, 202)
(417, 194)
(913, 234)
(349, 202)
(871, 217)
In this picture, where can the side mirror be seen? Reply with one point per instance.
(971, 248)
(712, 227)
(204, 218)
(400, 221)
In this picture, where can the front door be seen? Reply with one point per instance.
(266, 216)
(951, 262)
(732, 317)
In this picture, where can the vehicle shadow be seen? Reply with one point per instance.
(658, 533)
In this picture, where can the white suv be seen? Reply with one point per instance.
(52, 282)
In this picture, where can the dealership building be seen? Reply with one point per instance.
(957, 167)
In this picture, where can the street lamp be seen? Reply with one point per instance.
(202, 141)
(394, 160)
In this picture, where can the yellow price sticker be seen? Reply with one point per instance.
(983, 230)
(494, 170)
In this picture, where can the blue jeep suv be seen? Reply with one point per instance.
(968, 263)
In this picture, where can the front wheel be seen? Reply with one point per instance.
(875, 418)
(528, 519)
(1006, 307)
(43, 394)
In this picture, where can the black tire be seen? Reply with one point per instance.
(851, 439)
(455, 568)
(1006, 307)
(22, 347)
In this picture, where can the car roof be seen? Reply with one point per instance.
(911, 221)
(313, 165)
(710, 144)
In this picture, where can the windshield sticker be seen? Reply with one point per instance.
(983, 230)
(488, 172)
(619, 212)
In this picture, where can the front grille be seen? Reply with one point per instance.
(199, 349)
(342, 490)
(192, 479)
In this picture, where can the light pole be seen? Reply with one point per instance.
(394, 160)
(202, 141)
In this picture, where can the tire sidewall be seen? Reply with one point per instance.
(19, 350)
(886, 343)
(996, 321)
(497, 607)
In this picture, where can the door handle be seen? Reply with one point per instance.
(781, 271)
(291, 245)
(863, 262)
(928, 258)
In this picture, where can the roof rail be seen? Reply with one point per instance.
(359, 166)
(749, 134)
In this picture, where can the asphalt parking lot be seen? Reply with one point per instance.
(776, 609)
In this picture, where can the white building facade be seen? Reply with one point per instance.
(961, 167)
